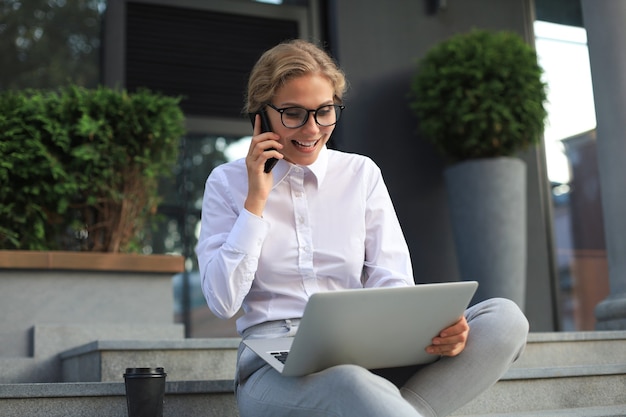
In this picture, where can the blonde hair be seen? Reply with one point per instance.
(288, 60)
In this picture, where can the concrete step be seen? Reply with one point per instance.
(183, 360)
(535, 390)
(573, 348)
(108, 399)
(206, 359)
(560, 374)
(42, 364)
(568, 391)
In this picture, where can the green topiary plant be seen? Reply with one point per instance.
(480, 95)
(79, 167)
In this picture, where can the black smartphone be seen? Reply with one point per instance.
(265, 127)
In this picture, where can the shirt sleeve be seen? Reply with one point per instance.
(387, 259)
(228, 247)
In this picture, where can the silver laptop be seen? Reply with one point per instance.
(374, 328)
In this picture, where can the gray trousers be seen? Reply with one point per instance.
(497, 337)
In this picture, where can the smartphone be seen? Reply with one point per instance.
(265, 127)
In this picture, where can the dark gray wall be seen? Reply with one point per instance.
(378, 44)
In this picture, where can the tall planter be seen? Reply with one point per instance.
(479, 99)
(487, 200)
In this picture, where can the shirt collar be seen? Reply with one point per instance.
(317, 168)
(320, 166)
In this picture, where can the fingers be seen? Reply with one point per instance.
(459, 327)
(263, 147)
(261, 152)
(450, 341)
(257, 125)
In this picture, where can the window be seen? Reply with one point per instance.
(573, 172)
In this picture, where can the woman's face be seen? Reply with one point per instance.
(303, 144)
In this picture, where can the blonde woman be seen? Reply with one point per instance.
(323, 220)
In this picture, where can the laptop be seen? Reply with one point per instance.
(371, 327)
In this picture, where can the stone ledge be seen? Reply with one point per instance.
(91, 261)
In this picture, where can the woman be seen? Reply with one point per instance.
(323, 220)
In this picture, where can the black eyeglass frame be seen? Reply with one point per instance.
(338, 109)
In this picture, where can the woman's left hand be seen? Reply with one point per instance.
(450, 341)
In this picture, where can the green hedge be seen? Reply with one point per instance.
(79, 167)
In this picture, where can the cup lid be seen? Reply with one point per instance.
(145, 371)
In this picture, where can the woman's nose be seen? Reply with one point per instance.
(311, 125)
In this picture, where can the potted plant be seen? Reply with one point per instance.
(79, 168)
(479, 99)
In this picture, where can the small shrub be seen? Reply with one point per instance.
(480, 95)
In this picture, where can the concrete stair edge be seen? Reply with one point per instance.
(600, 411)
(105, 389)
(181, 344)
(564, 371)
(576, 336)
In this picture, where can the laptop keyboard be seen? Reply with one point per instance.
(281, 356)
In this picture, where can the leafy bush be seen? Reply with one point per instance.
(79, 167)
(480, 95)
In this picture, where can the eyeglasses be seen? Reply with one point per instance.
(294, 117)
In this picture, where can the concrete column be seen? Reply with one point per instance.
(606, 35)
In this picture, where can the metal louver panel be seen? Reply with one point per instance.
(202, 55)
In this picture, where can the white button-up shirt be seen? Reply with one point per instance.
(327, 226)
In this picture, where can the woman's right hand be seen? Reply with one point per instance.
(259, 182)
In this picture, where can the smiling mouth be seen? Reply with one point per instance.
(305, 145)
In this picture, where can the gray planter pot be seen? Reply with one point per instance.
(487, 200)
